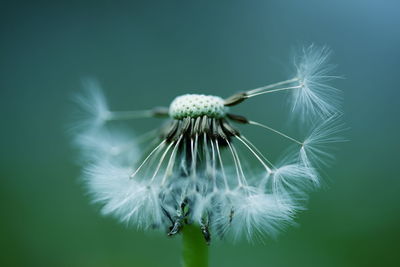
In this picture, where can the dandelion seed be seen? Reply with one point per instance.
(194, 172)
(315, 97)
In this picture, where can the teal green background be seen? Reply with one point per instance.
(144, 54)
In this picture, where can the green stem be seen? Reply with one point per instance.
(195, 248)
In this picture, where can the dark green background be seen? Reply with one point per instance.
(144, 54)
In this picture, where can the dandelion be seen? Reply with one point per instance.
(193, 176)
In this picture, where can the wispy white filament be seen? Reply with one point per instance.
(315, 97)
(93, 106)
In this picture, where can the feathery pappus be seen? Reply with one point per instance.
(193, 171)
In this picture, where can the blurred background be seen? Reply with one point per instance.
(144, 53)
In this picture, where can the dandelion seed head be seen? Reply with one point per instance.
(196, 105)
(192, 170)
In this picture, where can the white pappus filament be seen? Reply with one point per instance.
(192, 171)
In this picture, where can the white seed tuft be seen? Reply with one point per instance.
(315, 97)
(92, 106)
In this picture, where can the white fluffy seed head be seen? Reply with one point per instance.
(194, 105)
(200, 178)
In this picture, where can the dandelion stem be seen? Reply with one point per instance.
(255, 154)
(136, 114)
(127, 115)
(147, 158)
(274, 90)
(195, 250)
(261, 89)
(240, 97)
(275, 131)
(221, 164)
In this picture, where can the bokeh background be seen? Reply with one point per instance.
(145, 53)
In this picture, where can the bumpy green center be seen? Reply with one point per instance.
(194, 105)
